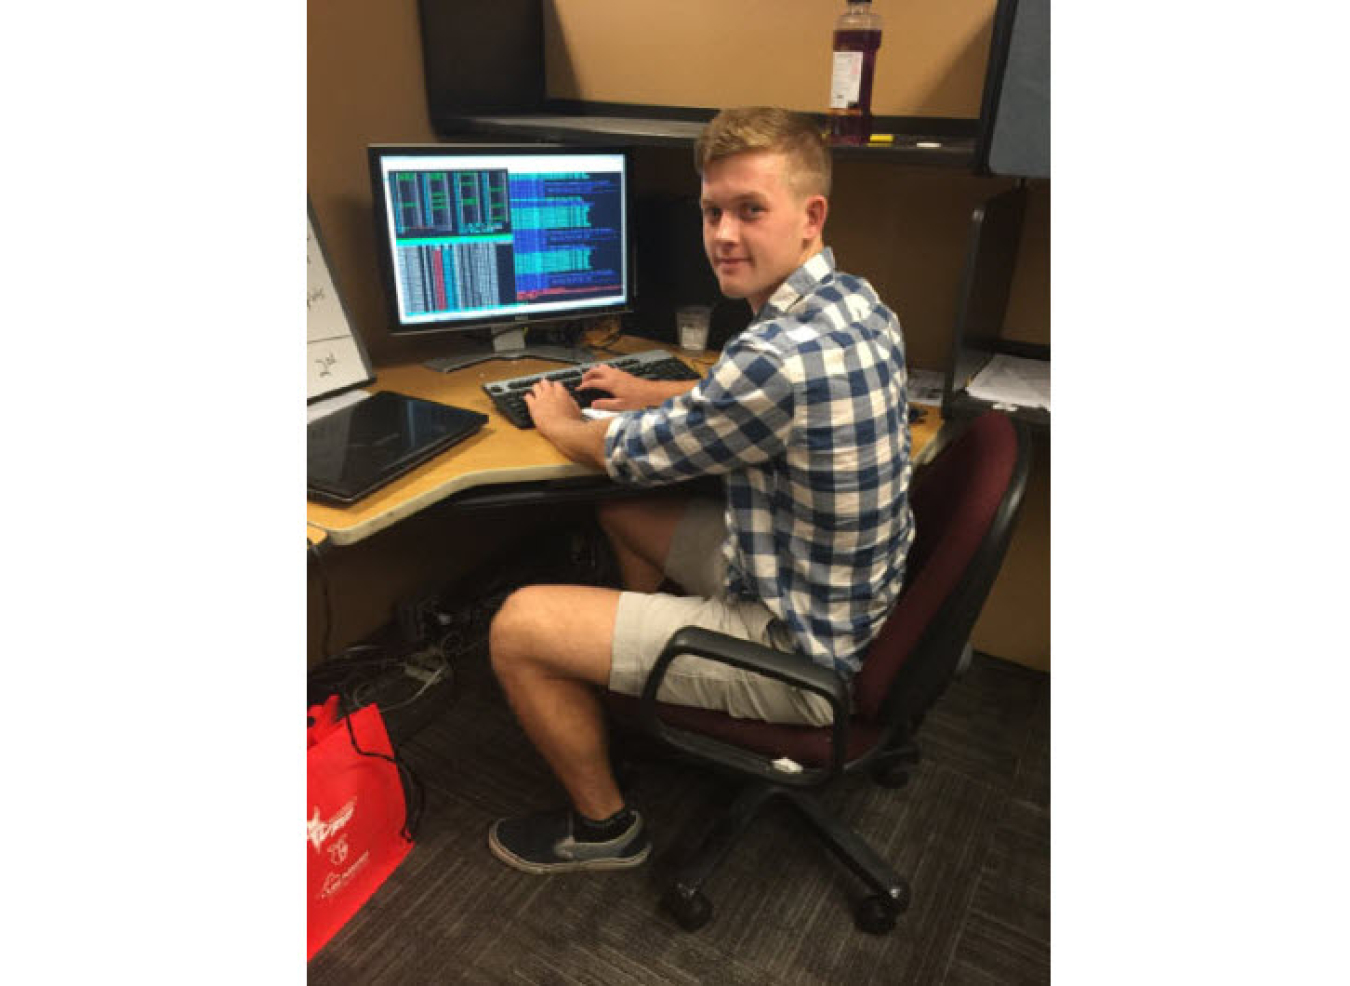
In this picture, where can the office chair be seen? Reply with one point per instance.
(965, 501)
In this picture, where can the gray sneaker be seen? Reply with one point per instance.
(543, 843)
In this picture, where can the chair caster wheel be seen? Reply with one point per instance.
(891, 775)
(691, 911)
(894, 767)
(876, 914)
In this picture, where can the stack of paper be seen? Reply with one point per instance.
(925, 387)
(1013, 380)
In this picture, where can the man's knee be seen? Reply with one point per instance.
(558, 631)
(643, 525)
(514, 629)
(618, 517)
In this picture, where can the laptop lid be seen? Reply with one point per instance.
(357, 449)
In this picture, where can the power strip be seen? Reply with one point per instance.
(427, 666)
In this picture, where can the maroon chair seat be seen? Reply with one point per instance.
(807, 745)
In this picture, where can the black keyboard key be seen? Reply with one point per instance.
(669, 369)
(515, 411)
(585, 398)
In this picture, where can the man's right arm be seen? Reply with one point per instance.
(740, 414)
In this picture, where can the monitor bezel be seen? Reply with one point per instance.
(488, 323)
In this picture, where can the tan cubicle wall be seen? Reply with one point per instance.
(714, 53)
(364, 86)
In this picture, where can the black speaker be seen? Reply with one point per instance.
(482, 56)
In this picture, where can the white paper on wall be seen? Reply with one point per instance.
(337, 359)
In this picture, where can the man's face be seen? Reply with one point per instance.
(756, 231)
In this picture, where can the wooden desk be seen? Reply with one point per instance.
(500, 453)
(923, 432)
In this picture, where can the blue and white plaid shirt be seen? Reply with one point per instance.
(805, 414)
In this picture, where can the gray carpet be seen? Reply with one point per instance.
(971, 832)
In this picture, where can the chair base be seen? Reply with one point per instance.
(875, 913)
(893, 767)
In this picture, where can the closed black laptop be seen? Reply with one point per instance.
(357, 449)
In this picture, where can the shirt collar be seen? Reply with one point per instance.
(800, 283)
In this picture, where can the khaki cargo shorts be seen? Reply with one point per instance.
(646, 621)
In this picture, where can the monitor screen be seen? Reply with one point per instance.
(473, 236)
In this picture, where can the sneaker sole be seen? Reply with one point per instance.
(611, 863)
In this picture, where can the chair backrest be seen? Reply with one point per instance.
(965, 501)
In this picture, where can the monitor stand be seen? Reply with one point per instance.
(508, 343)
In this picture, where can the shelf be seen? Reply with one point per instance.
(943, 148)
(963, 405)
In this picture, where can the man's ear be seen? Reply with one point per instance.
(817, 208)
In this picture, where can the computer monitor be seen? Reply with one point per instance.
(495, 238)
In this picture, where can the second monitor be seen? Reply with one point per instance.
(493, 239)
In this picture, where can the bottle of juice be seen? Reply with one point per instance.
(857, 36)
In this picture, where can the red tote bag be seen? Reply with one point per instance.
(357, 816)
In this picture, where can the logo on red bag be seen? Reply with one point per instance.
(319, 830)
(337, 852)
(335, 882)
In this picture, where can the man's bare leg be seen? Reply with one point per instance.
(640, 532)
(550, 647)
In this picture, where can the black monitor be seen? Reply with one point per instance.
(495, 238)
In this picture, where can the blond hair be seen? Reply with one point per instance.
(766, 128)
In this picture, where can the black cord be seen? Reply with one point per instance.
(317, 558)
(414, 795)
(345, 676)
(602, 344)
(345, 673)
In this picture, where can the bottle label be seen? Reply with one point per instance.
(846, 80)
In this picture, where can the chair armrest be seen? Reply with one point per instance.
(749, 656)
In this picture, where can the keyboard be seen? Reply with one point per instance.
(653, 364)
